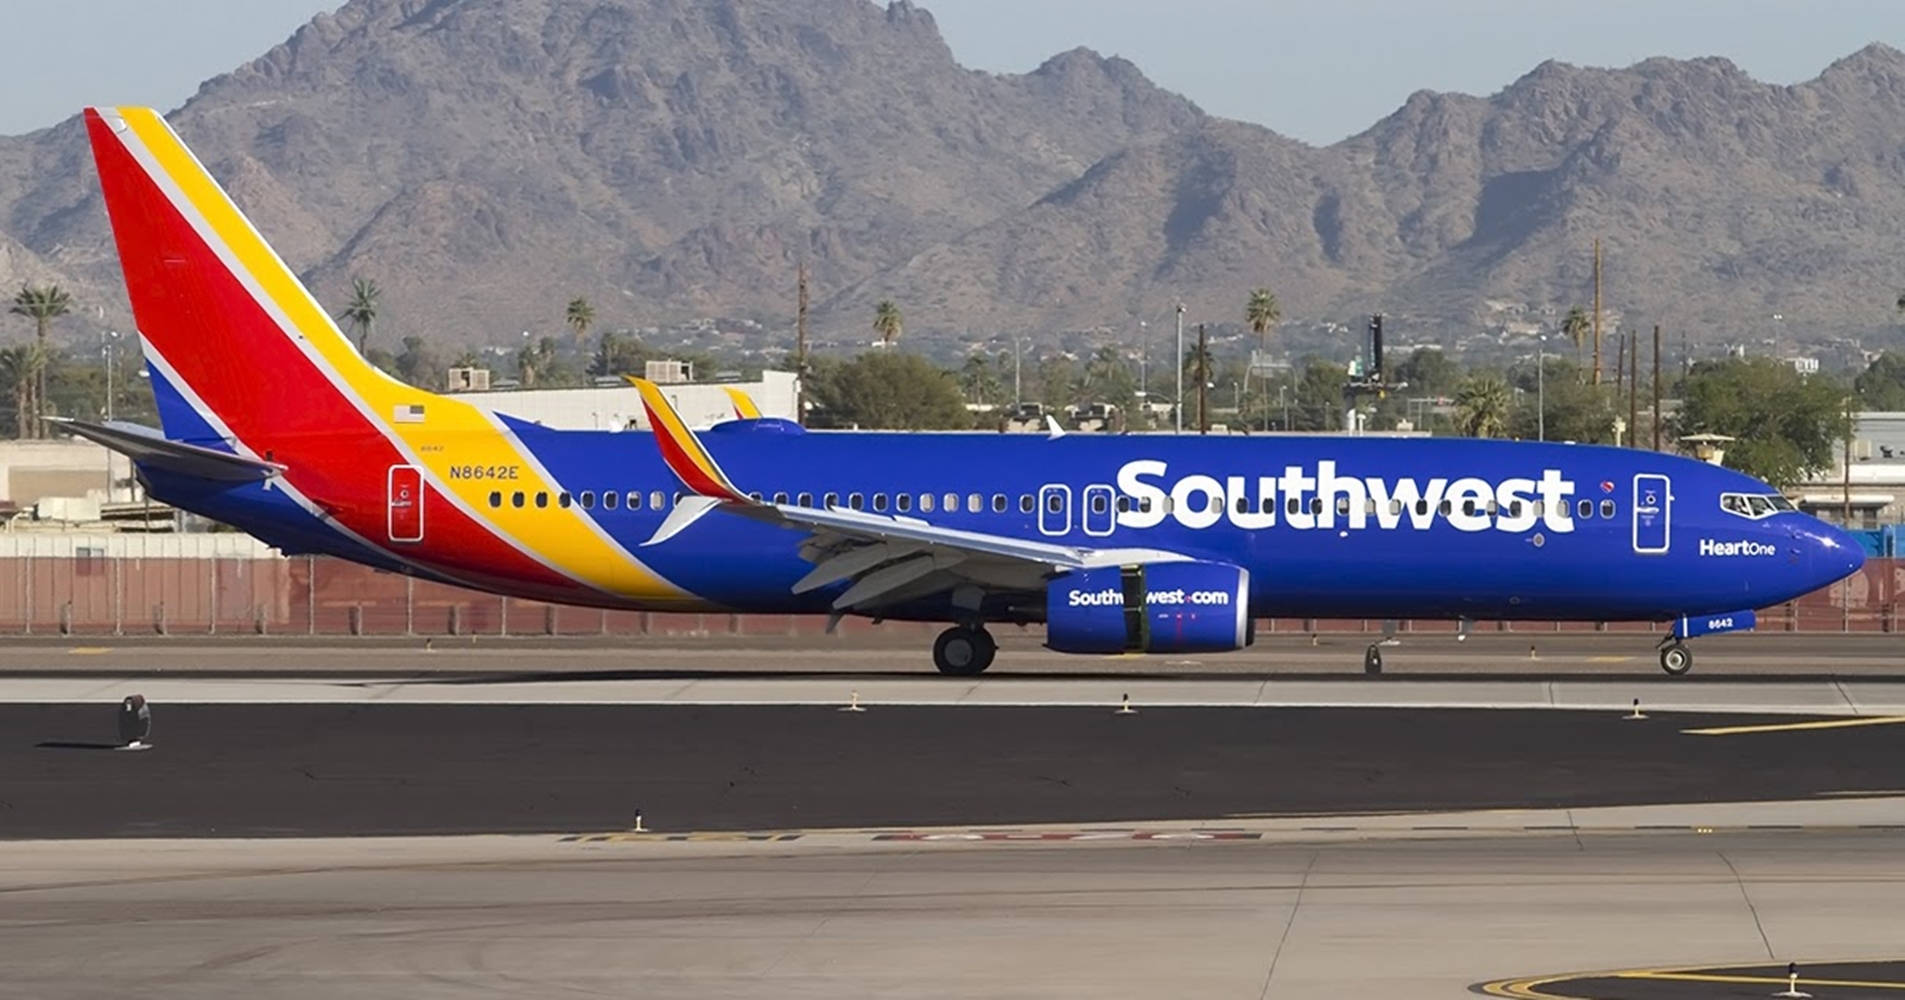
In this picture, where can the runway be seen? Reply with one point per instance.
(387, 821)
(522, 917)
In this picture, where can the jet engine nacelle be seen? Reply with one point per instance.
(1169, 607)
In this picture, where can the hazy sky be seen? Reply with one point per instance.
(1314, 70)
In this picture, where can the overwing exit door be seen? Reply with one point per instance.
(405, 504)
(1653, 513)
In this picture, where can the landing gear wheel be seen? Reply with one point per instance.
(1372, 660)
(1676, 659)
(964, 652)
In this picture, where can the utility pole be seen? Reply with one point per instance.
(1597, 310)
(1203, 380)
(1845, 514)
(1177, 405)
(1541, 386)
(1633, 390)
(1620, 361)
(1018, 352)
(800, 346)
(1656, 386)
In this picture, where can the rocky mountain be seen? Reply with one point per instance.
(487, 160)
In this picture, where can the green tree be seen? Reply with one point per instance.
(979, 380)
(1881, 386)
(889, 390)
(1262, 312)
(1429, 372)
(887, 322)
(580, 316)
(1482, 405)
(1577, 409)
(1787, 424)
(20, 368)
(1319, 396)
(361, 313)
(418, 365)
(1576, 326)
(619, 353)
(42, 304)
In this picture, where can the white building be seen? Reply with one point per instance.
(1877, 479)
(619, 407)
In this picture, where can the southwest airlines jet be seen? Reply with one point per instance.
(273, 423)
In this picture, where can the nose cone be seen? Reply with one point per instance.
(1831, 554)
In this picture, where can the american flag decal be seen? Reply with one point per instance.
(409, 413)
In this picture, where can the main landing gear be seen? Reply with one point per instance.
(1675, 658)
(964, 651)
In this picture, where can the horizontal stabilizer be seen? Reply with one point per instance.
(151, 448)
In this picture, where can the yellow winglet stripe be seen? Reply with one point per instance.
(744, 407)
(680, 448)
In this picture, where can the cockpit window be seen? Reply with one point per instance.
(1754, 505)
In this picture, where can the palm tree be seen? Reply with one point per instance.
(1577, 326)
(42, 304)
(1262, 312)
(1481, 405)
(886, 322)
(580, 315)
(20, 369)
(361, 314)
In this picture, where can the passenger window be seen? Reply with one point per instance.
(1469, 508)
(903, 502)
(588, 499)
(1055, 503)
(1607, 508)
(1124, 505)
(1514, 508)
(1025, 503)
(1144, 504)
(542, 499)
(1316, 505)
(563, 500)
(879, 502)
(952, 504)
(1395, 508)
(1369, 505)
(610, 498)
(1422, 507)
(677, 498)
(1169, 505)
(1292, 505)
(756, 497)
(1342, 505)
(1444, 508)
(804, 500)
(1266, 505)
(515, 499)
(926, 503)
(1243, 505)
(495, 499)
(998, 503)
(830, 501)
(1584, 509)
(856, 501)
(780, 499)
(656, 500)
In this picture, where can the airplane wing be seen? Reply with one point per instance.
(151, 447)
(886, 559)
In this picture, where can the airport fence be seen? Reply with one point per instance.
(228, 584)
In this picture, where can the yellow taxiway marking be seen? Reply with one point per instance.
(1793, 727)
(1531, 989)
(1702, 977)
(88, 650)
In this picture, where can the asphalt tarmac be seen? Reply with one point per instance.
(905, 654)
(265, 770)
(535, 918)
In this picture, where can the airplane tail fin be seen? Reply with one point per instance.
(240, 353)
(744, 408)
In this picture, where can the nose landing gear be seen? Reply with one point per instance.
(1675, 658)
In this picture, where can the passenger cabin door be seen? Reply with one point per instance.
(404, 498)
(1099, 512)
(1653, 513)
(1054, 509)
